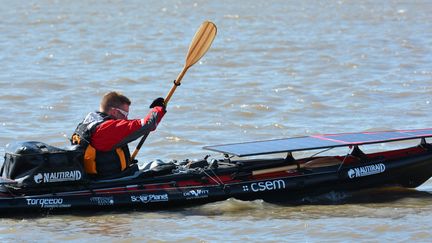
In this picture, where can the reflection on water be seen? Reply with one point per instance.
(336, 204)
(371, 210)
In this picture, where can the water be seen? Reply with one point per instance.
(276, 69)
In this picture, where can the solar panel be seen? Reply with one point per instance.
(317, 142)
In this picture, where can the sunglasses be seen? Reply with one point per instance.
(124, 113)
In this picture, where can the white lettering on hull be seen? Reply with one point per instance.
(102, 201)
(197, 193)
(265, 186)
(366, 170)
(74, 175)
(47, 202)
(146, 198)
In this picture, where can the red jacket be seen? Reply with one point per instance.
(116, 133)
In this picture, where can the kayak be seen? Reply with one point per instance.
(37, 177)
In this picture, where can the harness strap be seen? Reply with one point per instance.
(90, 160)
(122, 157)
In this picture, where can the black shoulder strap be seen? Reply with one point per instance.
(85, 130)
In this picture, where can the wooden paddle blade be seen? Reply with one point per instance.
(200, 43)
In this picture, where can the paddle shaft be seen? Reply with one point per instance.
(167, 98)
(276, 169)
(138, 147)
(317, 163)
(176, 83)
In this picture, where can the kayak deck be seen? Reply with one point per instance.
(273, 180)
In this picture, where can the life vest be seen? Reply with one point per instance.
(95, 162)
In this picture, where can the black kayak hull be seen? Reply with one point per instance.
(234, 181)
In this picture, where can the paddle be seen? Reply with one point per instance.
(201, 42)
(316, 163)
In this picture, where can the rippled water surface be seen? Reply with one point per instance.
(276, 69)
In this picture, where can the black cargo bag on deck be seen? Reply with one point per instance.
(35, 164)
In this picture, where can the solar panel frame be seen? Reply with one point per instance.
(317, 142)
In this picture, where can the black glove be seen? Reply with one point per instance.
(158, 102)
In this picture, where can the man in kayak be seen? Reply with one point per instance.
(104, 135)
